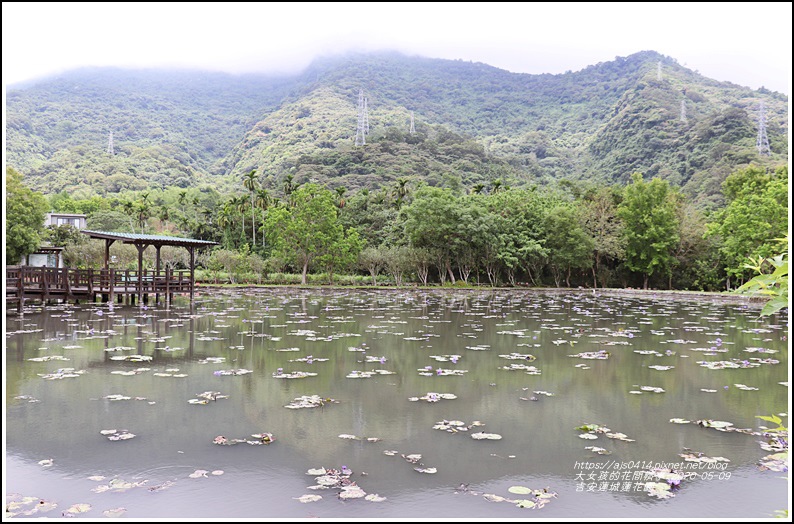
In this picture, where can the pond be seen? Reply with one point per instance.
(289, 403)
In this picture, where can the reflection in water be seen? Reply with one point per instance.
(158, 359)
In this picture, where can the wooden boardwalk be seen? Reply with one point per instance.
(47, 283)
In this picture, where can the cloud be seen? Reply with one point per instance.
(736, 42)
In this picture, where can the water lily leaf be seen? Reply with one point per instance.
(659, 489)
(588, 436)
(525, 504)
(716, 424)
(592, 427)
(486, 436)
(352, 492)
(78, 508)
(519, 490)
(308, 498)
(115, 512)
(620, 436)
(262, 438)
(592, 355)
(44, 506)
(652, 388)
(597, 450)
(316, 472)
(217, 472)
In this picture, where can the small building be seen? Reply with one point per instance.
(65, 219)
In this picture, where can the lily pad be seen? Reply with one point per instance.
(308, 498)
(115, 512)
(486, 436)
(74, 509)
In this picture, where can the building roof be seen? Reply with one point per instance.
(140, 239)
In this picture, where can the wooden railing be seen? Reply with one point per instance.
(48, 282)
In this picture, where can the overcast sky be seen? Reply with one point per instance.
(746, 43)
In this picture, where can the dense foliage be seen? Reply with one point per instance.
(24, 215)
(474, 124)
(635, 172)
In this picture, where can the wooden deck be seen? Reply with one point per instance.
(46, 283)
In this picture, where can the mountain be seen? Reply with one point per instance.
(473, 124)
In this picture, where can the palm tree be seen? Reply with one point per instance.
(289, 186)
(340, 191)
(250, 183)
(239, 204)
(400, 191)
(496, 185)
(263, 201)
(224, 220)
(181, 198)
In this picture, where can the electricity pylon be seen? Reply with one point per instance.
(362, 129)
(762, 142)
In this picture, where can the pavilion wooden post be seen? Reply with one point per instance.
(108, 242)
(156, 272)
(141, 248)
(192, 251)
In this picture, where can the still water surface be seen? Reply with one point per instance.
(233, 342)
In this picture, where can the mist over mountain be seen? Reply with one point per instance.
(451, 123)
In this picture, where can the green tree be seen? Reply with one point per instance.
(250, 183)
(25, 210)
(756, 211)
(373, 260)
(431, 222)
(568, 244)
(306, 231)
(648, 211)
(602, 224)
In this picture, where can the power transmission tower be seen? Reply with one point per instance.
(683, 111)
(659, 70)
(412, 130)
(762, 142)
(362, 129)
(110, 144)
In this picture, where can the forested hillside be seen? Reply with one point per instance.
(475, 125)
